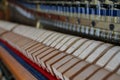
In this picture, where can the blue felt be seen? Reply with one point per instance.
(33, 71)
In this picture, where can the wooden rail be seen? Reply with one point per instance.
(19, 72)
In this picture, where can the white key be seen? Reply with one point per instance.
(53, 39)
(86, 73)
(114, 77)
(18, 30)
(76, 45)
(114, 62)
(89, 49)
(42, 37)
(68, 44)
(61, 62)
(63, 42)
(53, 61)
(49, 38)
(37, 33)
(7, 25)
(34, 35)
(99, 75)
(22, 30)
(118, 72)
(46, 35)
(62, 69)
(82, 48)
(74, 70)
(99, 51)
(58, 40)
(107, 56)
(29, 33)
(40, 34)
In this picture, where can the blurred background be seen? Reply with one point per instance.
(19, 11)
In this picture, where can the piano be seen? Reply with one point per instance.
(61, 56)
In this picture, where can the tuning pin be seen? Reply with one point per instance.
(74, 27)
(91, 31)
(111, 27)
(93, 23)
(78, 25)
(70, 26)
(78, 28)
(103, 34)
(78, 21)
(92, 28)
(116, 36)
(67, 22)
(97, 32)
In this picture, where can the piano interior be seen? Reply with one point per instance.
(59, 40)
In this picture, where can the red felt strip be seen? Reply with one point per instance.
(44, 72)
